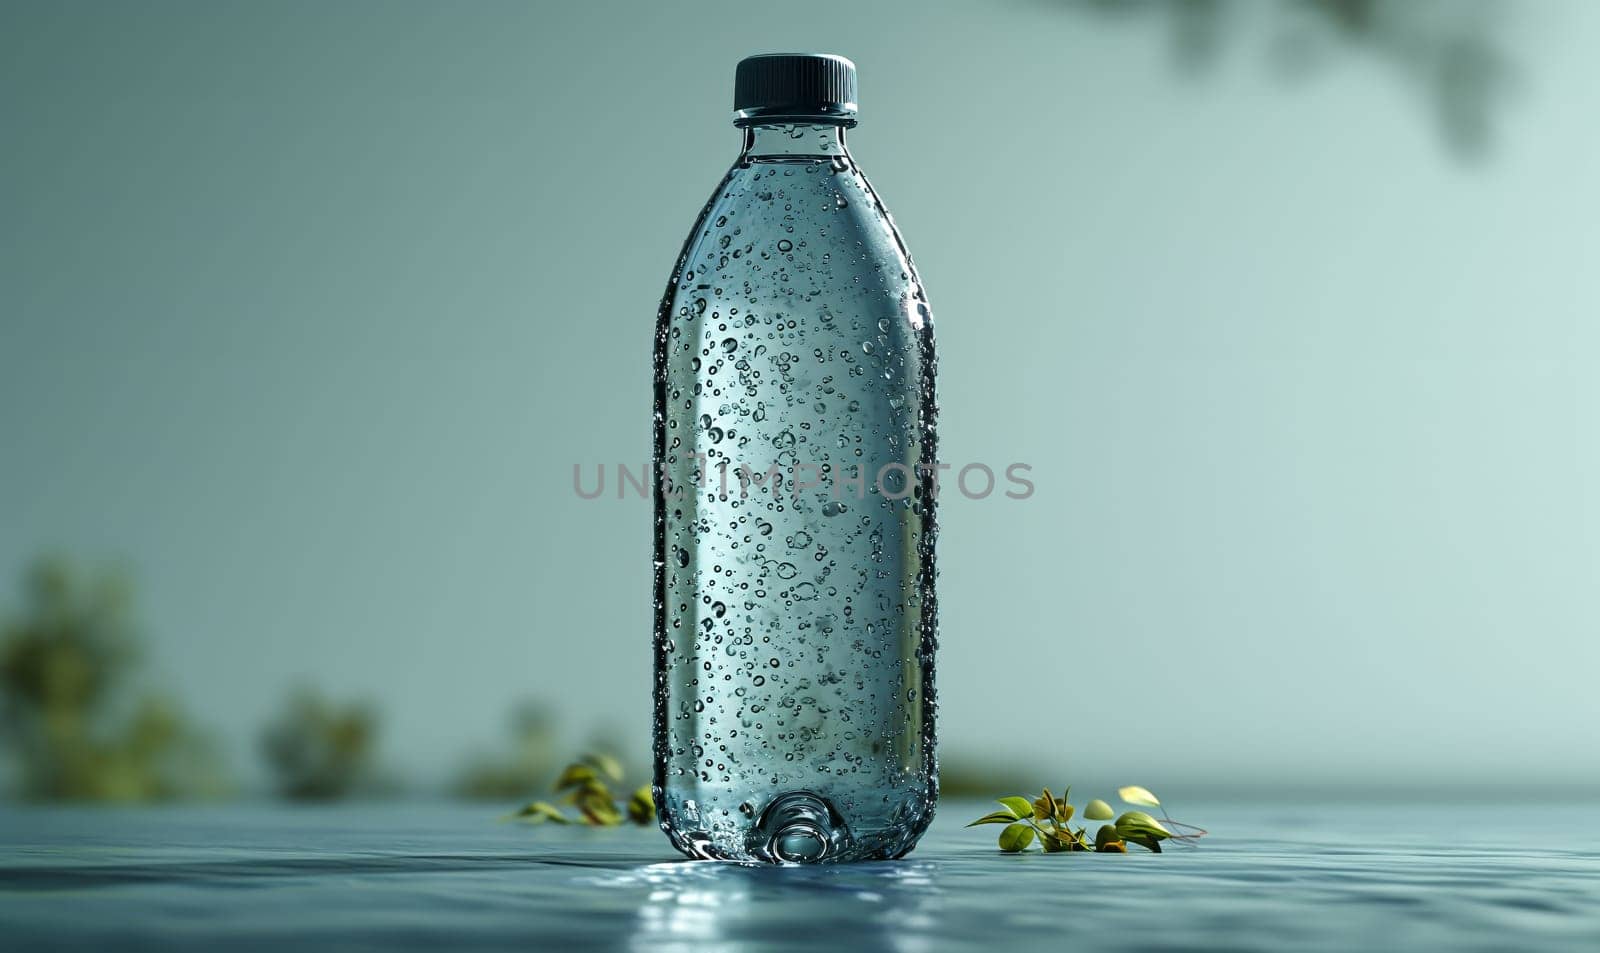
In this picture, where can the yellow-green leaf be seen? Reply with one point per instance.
(1042, 806)
(1020, 807)
(605, 765)
(537, 812)
(998, 817)
(1140, 828)
(576, 775)
(1133, 794)
(1107, 834)
(642, 806)
(1139, 819)
(599, 809)
(1016, 838)
(1098, 810)
(1147, 842)
(1109, 841)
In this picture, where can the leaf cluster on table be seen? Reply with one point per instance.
(585, 786)
(1048, 819)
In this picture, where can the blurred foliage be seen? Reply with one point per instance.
(320, 750)
(964, 775)
(1447, 50)
(521, 771)
(70, 729)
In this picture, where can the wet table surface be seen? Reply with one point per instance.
(451, 876)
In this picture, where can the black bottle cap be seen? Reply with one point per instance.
(795, 85)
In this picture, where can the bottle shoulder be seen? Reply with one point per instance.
(795, 231)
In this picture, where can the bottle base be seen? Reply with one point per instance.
(797, 827)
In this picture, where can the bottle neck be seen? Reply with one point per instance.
(793, 140)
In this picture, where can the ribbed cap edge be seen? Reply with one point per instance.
(794, 84)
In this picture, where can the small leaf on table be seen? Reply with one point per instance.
(537, 812)
(1016, 838)
(1105, 836)
(1137, 827)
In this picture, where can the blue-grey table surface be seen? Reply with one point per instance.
(398, 875)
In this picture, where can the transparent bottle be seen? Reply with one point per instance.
(794, 447)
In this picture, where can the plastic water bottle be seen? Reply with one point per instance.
(794, 446)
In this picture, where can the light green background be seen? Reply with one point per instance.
(310, 308)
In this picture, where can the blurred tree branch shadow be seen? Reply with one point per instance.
(1448, 50)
